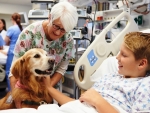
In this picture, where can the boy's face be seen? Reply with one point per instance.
(127, 64)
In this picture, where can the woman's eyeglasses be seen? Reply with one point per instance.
(56, 27)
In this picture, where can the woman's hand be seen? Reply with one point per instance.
(91, 97)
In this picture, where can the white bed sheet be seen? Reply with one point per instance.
(70, 107)
(23, 110)
(3, 57)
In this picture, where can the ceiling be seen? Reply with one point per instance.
(17, 2)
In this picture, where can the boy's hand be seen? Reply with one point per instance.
(88, 95)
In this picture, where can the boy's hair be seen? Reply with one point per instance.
(67, 14)
(139, 44)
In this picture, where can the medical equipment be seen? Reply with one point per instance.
(100, 50)
(136, 3)
(24, 18)
(76, 34)
(43, 1)
(69, 86)
(2, 73)
(81, 3)
(82, 12)
(3, 58)
(38, 14)
(3, 83)
(106, 15)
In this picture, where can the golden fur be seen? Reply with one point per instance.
(23, 69)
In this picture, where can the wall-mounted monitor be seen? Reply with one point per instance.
(76, 34)
(38, 14)
(24, 18)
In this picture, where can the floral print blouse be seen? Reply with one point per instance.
(33, 36)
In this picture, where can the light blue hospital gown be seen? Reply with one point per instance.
(131, 94)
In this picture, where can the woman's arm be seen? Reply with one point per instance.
(57, 95)
(93, 98)
(12, 79)
(7, 40)
(4, 52)
(59, 72)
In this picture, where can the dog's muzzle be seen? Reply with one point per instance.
(48, 71)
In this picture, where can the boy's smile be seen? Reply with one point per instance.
(127, 64)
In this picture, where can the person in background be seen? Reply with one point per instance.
(52, 35)
(127, 88)
(1, 43)
(2, 48)
(10, 40)
(3, 28)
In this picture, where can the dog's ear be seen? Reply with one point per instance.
(18, 68)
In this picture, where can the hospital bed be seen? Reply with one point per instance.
(93, 57)
(3, 57)
(99, 50)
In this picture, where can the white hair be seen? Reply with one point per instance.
(67, 13)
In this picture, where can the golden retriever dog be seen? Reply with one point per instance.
(29, 70)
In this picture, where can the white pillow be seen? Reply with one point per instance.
(109, 65)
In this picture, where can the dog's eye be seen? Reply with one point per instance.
(37, 56)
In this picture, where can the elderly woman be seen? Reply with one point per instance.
(52, 36)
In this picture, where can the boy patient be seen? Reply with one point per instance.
(128, 87)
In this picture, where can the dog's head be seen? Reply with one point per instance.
(34, 62)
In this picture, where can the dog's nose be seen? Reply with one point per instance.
(51, 61)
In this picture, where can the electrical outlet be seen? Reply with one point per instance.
(140, 20)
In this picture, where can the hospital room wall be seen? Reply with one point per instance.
(6, 10)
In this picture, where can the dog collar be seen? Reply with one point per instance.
(30, 102)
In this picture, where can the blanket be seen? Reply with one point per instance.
(70, 107)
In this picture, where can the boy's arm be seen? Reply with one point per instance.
(103, 106)
(57, 95)
(55, 78)
(93, 98)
